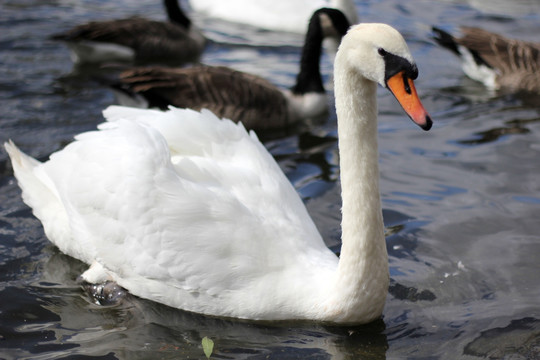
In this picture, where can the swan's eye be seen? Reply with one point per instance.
(382, 52)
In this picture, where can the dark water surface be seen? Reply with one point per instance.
(461, 202)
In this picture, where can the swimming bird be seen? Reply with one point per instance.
(191, 211)
(275, 15)
(236, 95)
(496, 61)
(138, 39)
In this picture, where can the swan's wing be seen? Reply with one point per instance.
(282, 15)
(182, 201)
(277, 15)
(228, 93)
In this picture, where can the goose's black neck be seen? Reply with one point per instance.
(309, 78)
(175, 13)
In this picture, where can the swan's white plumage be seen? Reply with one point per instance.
(186, 186)
(277, 15)
(192, 211)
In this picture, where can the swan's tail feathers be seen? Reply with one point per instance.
(37, 189)
(19, 160)
(23, 169)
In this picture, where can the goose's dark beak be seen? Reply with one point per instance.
(403, 89)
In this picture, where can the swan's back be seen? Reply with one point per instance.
(183, 208)
(281, 15)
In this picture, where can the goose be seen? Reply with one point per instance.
(275, 15)
(236, 95)
(190, 210)
(496, 61)
(136, 39)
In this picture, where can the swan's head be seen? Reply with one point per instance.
(379, 53)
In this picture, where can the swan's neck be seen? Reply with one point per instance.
(175, 14)
(361, 282)
(309, 78)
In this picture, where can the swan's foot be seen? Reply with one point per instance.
(106, 294)
(99, 286)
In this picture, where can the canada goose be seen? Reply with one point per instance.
(237, 95)
(137, 39)
(494, 60)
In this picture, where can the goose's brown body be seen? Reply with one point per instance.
(516, 63)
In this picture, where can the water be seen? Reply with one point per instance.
(461, 202)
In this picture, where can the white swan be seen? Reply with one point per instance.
(276, 15)
(137, 39)
(191, 211)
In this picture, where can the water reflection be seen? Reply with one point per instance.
(408, 293)
(70, 321)
(493, 135)
(520, 339)
(506, 9)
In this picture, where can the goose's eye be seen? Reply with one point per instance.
(382, 52)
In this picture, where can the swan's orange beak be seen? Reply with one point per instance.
(403, 89)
